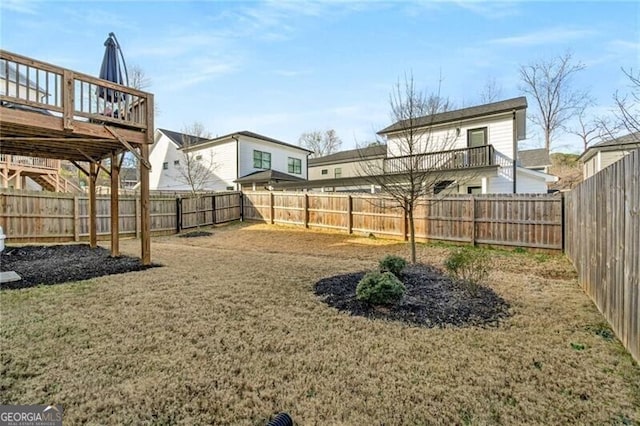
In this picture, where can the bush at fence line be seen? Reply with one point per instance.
(393, 264)
(468, 264)
(380, 288)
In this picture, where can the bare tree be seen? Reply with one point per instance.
(410, 174)
(588, 129)
(491, 91)
(138, 79)
(195, 169)
(320, 142)
(549, 83)
(628, 105)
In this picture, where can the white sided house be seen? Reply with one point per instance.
(478, 145)
(473, 150)
(237, 160)
(605, 153)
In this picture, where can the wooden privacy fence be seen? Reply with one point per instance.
(502, 219)
(49, 217)
(602, 233)
(42, 216)
(208, 209)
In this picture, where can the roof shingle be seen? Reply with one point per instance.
(350, 155)
(460, 114)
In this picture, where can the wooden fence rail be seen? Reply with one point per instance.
(501, 220)
(602, 233)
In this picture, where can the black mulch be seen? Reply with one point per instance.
(193, 234)
(45, 265)
(431, 300)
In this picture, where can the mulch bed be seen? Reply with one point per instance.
(45, 265)
(431, 300)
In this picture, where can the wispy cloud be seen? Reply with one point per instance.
(291, 73)
(489, 10)
(199, 70)
(543, 36)
(20, 6)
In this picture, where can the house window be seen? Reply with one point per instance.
(230, 188)
(165, 165)
(324, 171)
(176, 162)
(474, 190)
(295, 165)
(441, 186)
(261, 160)
(198, 157)
(337, 173)
(477, 137)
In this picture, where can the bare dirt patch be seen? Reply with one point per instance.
(194, 234)
(55, 264)
(431, 300)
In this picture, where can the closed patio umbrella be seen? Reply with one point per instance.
(111, 70)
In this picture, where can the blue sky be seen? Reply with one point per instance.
(283, 68)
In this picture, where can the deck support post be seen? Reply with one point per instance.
(115, 199)
(145, 168)
(93, 214)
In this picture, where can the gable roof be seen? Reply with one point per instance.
(534, 158)
(460, 114)
(350, 155)
(178, 138)
(629, 141)
(268, 176)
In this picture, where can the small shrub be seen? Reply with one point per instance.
(380, 288)
(393, 264)
(468, 264)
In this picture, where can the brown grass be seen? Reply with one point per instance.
(229, 332)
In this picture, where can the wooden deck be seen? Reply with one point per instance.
(57, 112)
(52, 112)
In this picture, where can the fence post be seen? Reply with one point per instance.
(271, 208)
(213, 208)
(241, 207)
(76, 218)
(350, 214)
(562, 221)
(306, 210)
(178, 215)
(138, 217)
(473, 220)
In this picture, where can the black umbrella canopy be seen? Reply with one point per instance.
(110, 69)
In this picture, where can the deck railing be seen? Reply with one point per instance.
(31, 162)
(49, 89)
(455, 159)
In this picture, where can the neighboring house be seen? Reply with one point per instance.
(605, 153)
(473, 148)
(241, 159)
(346, 164)
(535, 159)
(17, 84)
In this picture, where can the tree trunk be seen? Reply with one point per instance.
(412, 234)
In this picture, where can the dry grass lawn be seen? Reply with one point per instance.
(230, 332)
